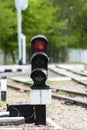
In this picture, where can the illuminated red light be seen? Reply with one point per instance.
(40, 46)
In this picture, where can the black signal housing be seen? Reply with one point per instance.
(39, 61)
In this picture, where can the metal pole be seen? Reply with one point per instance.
(40, 117)
(19, 35)
(20, 5)
(24, 50)
(23, 38)
(3, 88)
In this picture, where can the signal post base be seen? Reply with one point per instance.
(40, 115)
(40, 96)
(32, 113)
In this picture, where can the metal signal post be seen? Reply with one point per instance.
(40, 93)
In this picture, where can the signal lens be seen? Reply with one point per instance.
(39, 78)
(39, 46)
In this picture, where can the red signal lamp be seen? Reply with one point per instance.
(39, 46)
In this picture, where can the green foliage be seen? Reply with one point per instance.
(77, 36)
(7, 25)
(37, 18)
(64, 23)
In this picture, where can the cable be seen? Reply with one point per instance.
(18, 113)
(33, 115)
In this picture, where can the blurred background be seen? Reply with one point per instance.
(63, 22)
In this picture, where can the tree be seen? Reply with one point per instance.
(79, 27)
(63, 22)
(71, 18)
(37, 18)
(8, 27)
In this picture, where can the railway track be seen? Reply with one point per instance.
(66, 94)
(78, 77)
(70, 97)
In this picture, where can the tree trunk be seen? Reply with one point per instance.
(5, 53)
(13, 57)
(64, 54)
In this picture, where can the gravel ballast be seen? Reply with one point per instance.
(69, 117)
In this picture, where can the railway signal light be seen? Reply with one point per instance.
(39, 61)
(40, 93)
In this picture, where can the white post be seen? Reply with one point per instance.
(23, 38)
(20, 5)
(19, 35)
(3, 88)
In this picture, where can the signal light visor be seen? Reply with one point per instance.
(39, 75)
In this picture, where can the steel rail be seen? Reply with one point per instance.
(53, 89)
(74, 76)
(72, 100)
(70, 92)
